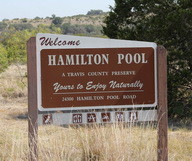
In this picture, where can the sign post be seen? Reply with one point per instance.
(162, 104)
(32, 99)
(86, 78)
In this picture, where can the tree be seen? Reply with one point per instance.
(67, 28)
(22, 26)
(37, 18)
(53, 16)
(14, 43)
(24, 20)
(95, 12)
(57, 21)
(167, 23)
(89, 28)
(3, 26)
(3, 58)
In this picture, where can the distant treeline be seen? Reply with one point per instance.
(15, 33)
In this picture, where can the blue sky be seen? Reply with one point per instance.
(10, 9)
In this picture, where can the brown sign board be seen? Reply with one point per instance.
(79, 77)
(36, 79)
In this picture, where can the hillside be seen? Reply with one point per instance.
(94, 20)
(15, 33)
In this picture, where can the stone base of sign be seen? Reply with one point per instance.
(97, 117)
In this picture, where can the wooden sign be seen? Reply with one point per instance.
(78, 73)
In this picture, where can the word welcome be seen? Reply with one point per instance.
(56, 42)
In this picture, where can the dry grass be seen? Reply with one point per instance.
(105, 143)
(13, 83)
(111, 142)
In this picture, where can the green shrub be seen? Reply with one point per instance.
(3, 25)
(21, 26)
(3, 58)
